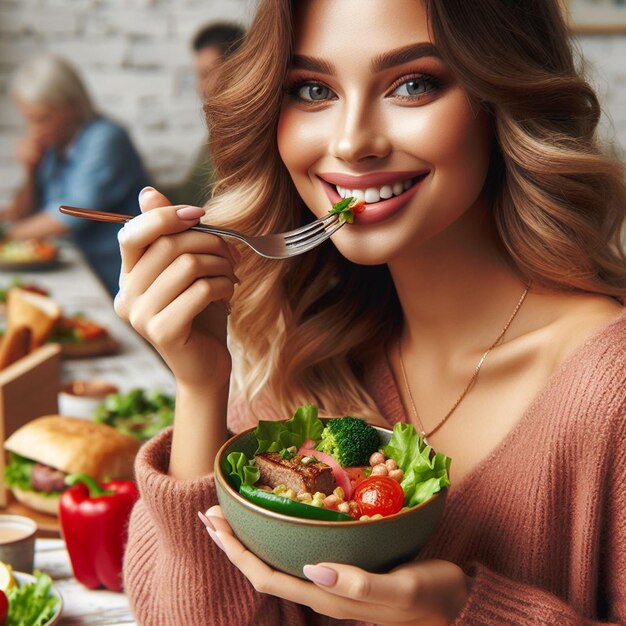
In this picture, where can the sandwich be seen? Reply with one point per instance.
(81, 337)
(38, 312)
(44, 451)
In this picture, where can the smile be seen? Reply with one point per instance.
(384, 193)
(376, 194)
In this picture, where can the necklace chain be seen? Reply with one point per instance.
(471, 381)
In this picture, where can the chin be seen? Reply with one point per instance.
(364, 249)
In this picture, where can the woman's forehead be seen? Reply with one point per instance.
(358, 27)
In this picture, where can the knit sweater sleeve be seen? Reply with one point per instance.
(173, 572)
(496, 599)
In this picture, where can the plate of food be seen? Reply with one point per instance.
(29, 599)
(309, 490)
(138, 412)
(28, 254)
(82, 337)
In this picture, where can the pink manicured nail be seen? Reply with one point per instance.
(190, 213)
(145, 190)
(215, 538)
(206, 521)
(320, 575)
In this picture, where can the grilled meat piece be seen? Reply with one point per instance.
(46, 478)
(294, 474)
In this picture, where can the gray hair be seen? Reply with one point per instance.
(49, 79)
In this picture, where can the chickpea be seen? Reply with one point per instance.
(396, 474)
(290, 493)
(344, 507)
(339, 493)
(391, 464)
(380, 470)
(305, 496)
(376, 458)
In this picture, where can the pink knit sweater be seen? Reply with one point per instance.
(540, 524)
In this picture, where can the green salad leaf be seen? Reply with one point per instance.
(32, 604)
(138, 413)
(276, 436)
(424, 473)
(18, 474)
(243, 471)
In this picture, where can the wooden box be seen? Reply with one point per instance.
(28, 389)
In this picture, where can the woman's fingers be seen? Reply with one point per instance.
(166, 250)
(172, 324)
(183, 272)
(150, 198)
(145, 229)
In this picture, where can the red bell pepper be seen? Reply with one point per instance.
(94, 522)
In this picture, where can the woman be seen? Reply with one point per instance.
(481, 303)
(71, 155)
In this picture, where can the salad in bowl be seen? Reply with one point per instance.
(309, 489)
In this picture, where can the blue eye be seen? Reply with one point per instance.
(313, 92)
(416, 86)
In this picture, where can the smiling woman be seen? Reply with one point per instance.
(478, 295)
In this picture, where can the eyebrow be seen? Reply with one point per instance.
(381, 62)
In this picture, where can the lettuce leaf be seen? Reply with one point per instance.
(243, 470)
(276, 436)
(18, 471)
(32, 604)
(424, 473)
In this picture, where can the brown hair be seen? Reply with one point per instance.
(303, 329)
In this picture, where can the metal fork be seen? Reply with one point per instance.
(278, 246)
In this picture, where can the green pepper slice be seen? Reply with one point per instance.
(279, 504)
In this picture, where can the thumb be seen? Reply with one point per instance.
(150, 198)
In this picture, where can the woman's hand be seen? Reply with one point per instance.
(419, 593)
(174, 288)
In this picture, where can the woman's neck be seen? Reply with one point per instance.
(458, 289)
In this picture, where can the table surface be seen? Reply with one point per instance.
(81, 606)
(74, 286)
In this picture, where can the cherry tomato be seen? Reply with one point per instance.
(4, 608)
(378, 494)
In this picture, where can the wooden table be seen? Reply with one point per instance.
(81, 606)
(76, 288)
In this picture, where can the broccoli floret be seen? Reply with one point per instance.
(350, 440)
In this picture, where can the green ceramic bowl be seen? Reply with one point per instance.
(288, 543)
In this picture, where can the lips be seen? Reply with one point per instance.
(384, 193)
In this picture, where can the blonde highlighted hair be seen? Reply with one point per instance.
(303, 330)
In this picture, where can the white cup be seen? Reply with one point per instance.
(17, 542)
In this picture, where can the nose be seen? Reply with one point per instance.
(359, 135)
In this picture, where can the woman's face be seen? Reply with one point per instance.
(50, 125)
(372, 111)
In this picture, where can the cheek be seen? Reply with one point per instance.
(454, 138)
(300, 143)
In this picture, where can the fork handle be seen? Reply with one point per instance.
(122, 218)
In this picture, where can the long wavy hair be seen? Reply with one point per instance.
(302, 330)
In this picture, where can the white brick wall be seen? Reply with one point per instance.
(134, 56)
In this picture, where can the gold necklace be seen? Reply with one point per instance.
(472, 380)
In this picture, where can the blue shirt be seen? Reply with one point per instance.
(100, 170)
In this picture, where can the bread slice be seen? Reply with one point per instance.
(15, 345)
(101, 346)
(39, 313)
(39, 502)
(74, 445)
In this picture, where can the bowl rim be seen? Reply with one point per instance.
(303, 521)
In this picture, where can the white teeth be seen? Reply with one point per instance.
(372, 195)
(386, 192)
(376, 194)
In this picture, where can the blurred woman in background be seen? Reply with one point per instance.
(73, 155)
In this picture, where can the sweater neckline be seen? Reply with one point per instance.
(389, 382)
